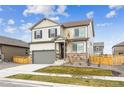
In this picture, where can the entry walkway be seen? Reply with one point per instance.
(79, 76)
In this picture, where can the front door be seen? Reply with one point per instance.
(62, 50)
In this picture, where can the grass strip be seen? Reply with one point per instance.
(75, 70)
(69, 80)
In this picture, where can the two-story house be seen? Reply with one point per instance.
(53, 41)
(118, 49)
(98, 48)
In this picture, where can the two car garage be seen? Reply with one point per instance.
(43, 57)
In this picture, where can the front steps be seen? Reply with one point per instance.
(59, 62)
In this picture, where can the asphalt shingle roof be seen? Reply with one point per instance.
(98, 44)
(77, 23)
(119, 44)
(13, 42)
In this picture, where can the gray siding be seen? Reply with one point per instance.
(10, 51)
(43, 57)
(118, 50)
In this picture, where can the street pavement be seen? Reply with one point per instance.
(4, 65)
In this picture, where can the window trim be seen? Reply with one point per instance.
(38, 36)
(77, 50)
(55, 32)
(80, 30)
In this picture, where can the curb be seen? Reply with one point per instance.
(39, 83)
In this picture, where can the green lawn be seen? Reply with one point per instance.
(69, 80)
(75, 70)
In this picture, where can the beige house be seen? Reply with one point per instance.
(12, 47)
(52, 41)
(118, 49)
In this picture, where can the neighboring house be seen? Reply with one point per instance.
(118, 49)
(53, 41)
(12, 47)
(98, 48)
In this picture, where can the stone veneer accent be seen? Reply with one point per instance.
(76, 57)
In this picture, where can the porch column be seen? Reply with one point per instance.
(55, 50)
(86, 50)
(64, 50)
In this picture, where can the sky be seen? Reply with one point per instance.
(15, 20)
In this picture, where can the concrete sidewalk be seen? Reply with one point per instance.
(78, 76)
(20, 69)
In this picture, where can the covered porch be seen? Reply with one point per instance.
(60, 48)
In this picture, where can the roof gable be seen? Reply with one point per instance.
(44, 23)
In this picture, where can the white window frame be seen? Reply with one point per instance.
(81, 30)
(38, 33)
(52, 32)
(78, 47)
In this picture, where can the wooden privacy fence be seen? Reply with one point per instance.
(22, 59)
(107, 60)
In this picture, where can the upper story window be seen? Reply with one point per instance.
(52, 32)
(38, 34)
(80, 32)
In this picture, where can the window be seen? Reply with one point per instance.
(52, 32)
(38, 34)
(97, 49)
(79, 32)
(74, 47)
(26, 51)
(76, 32)
(78, 47)
(120, 53)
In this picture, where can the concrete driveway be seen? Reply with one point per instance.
(4, 65)
(21, 69)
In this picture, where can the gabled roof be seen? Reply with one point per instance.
(43, 20)
(77, 23)
(13, 42)
(98, 44)
(119, 44)
(70, 24)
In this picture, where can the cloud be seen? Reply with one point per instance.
(45, 10)
(90, 14)
(25, 27)
(11, 22)
(61, 10)
(117, 7)
(54, 18)
(10, 29)
(111, 14)
(103, 25)
(33, 9)
(113, 11)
